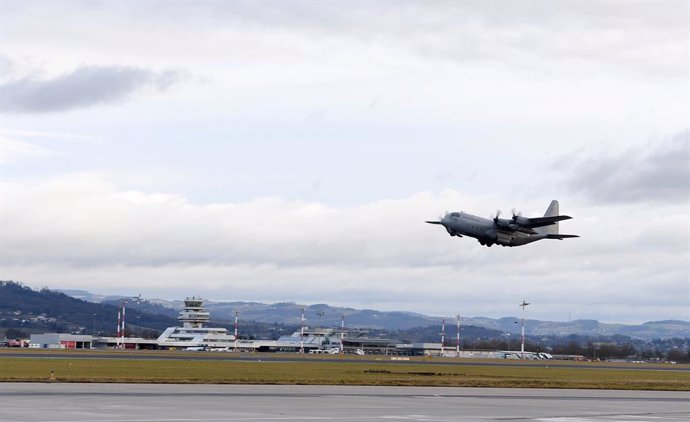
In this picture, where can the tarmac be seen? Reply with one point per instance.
(209, 403)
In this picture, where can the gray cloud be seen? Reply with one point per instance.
(84, 87)
(6, 66)
(634, 34)
(660, 173)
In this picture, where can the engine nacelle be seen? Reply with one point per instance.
(503, 239)
(520, 220)
(502, 223)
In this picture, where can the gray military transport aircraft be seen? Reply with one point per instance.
(516, 231)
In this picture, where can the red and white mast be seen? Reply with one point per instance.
(123, 324)
(117, 338)
(443, 334)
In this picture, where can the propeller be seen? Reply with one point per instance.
(440, 219)
(521, 221)
(442, 216)
(516, 215)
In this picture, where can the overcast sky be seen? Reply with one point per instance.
(291, 151)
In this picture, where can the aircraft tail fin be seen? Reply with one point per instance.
(551, 211)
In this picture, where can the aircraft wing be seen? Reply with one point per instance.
(544, 221)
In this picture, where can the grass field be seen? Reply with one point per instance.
(316, 371)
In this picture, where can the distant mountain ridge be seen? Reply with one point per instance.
(53, 311)
(325, 315)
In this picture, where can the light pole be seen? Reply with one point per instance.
(342, 333)
(236, 314)
(320, 314)
(457, 340)
(301, 334)
(138, 333)
(93, 331)
(522, 344)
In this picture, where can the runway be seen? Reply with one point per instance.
(211, 403)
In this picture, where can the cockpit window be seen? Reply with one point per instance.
(455, 214)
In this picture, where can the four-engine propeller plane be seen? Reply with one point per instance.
(516, 231)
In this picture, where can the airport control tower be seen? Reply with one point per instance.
(193, 314)
(193, 335)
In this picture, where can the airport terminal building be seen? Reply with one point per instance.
(193, 334)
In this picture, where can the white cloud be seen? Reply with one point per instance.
(380, 254)
(267, 179)
(68, 137)
(13, 150)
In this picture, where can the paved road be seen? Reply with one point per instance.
(212, 403)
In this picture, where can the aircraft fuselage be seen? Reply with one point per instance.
(485, 230)
(516, 231)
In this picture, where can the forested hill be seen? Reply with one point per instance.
(46, 310)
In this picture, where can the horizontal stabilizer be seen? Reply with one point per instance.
(545, 221)
(561, 236)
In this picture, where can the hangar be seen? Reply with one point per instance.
(60, 341)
